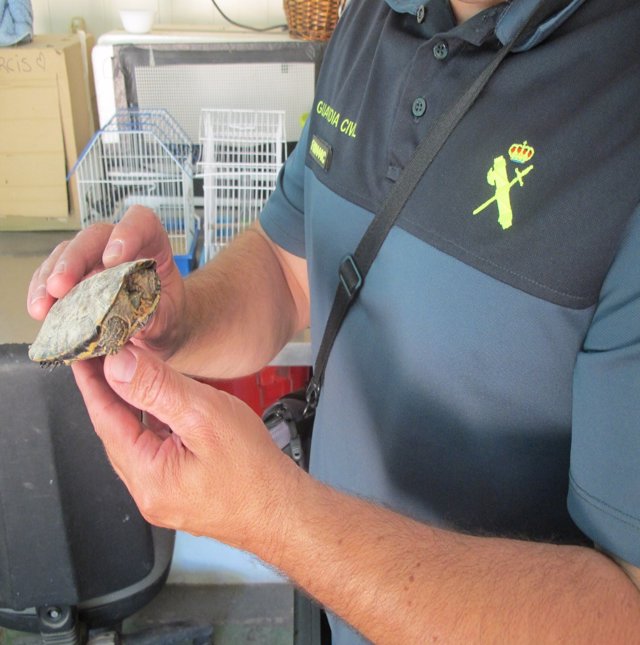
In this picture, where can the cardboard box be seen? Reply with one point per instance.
(47, 116)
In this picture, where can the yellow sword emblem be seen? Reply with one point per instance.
(499, 177)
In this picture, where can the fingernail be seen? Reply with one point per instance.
(61, 267)
(113, 251)
(39, 293)
(123, 366)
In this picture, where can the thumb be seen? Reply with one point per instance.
(151, 385)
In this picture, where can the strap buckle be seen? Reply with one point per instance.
(311, 395)
(350, 276)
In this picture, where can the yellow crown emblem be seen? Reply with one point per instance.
(521, 152)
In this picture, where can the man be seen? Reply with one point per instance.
(488, 368)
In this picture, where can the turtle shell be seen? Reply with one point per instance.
(99, 315)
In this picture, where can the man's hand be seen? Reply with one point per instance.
(139, 234)
(202, 461)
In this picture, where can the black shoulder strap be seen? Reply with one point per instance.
(354, 268)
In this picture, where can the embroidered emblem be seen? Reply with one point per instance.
(498, 176)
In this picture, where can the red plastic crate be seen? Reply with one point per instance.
(265, 387)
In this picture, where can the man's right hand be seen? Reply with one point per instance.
(139, 234)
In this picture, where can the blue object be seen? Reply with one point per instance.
(16, 22)
(187, 261)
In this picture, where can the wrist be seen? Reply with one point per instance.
(278, 523)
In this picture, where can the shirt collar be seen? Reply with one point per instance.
(504, 20)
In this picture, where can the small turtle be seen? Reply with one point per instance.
(99, 315)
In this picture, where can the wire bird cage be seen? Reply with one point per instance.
(242, 152)
(141, 157)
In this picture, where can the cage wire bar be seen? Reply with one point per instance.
(140, 157)
(241, 153)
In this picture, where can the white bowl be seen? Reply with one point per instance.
(137, 21)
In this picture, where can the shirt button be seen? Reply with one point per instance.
(441, 50)
(421, 14)
(419, 107)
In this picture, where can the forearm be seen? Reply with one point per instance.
(400, 581)
(241, 308)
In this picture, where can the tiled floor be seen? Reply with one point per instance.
(252, 614)
(239, 614)
(261, 614)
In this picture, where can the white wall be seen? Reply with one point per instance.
(54, 16)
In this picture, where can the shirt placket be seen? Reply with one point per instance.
(442, 67)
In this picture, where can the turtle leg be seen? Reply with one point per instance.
(50, 365)
(114, 334)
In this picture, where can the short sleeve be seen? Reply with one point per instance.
(282, 217)
(604, 492)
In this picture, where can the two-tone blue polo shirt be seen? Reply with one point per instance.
(490, 368)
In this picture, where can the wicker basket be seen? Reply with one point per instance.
(312, 19)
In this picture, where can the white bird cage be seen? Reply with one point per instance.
(241, 152)
(141, 157)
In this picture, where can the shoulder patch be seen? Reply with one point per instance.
(321, 152)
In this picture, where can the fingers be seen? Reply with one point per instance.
(39, 300)
(104, 406)
(69, 263)
(117, 423)
(155, 425)
(169, 397)
(139, 234)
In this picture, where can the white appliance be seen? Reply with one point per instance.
(183, 71)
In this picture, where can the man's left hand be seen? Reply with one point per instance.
(200, 460)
